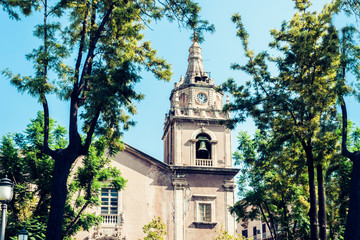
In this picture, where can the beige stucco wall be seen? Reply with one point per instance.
(149, 193)
(146, 196)
(205, 185)
(249, 225)
(200, 184)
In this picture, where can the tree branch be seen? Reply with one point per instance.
(87, 197)
(76, 219)
(46, 148)
(81, 46)
(272, 226)
(266, 220)
(43, 99)
(90, 133)
(90, 55)
(344, 151)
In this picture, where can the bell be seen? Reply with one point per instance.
(202, 146)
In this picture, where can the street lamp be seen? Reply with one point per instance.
(23, 235)
(6, 194)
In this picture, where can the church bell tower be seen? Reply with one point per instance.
(193, 135)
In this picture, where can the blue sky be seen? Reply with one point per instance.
(219, 50)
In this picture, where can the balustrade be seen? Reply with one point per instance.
(204, 162)
(110, 219)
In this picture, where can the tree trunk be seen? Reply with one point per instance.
(314, 235)
(322, 206)
(58, 196)
(272, 225)
(285, 218)
(353, 220)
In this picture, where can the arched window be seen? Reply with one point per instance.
(203, 146)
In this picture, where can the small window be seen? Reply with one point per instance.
(254, 231)
(205, 212)
(244, 233)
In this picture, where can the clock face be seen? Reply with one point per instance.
(201, 98)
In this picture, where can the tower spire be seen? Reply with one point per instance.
(195, 72)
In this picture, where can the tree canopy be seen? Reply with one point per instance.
(31, 171)
(294, 109)
(105, 41)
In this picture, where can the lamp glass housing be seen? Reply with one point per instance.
(23, 235)
(6, 190)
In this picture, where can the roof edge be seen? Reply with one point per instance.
(145, 156)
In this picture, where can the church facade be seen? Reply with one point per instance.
(193, 187)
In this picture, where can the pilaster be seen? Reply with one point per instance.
(192, 151)
(177, 146)
(214, 152)
(227, 148)
(179, 184)
(230, 225)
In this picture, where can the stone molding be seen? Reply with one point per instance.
(179, 182)
(229, 185)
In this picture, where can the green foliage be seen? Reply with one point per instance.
(351, 7)
(31, 170)
(94, 173)
(35, 227)
(224, 235)
(349, 62)
(13, 7)
(156, 229)
(296, 116)
(302, 5)
(337, 183)
(276, 182)
(105, 41)
(107, 36)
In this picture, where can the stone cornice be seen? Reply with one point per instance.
(180, 170)
(229, 185)
(183, 86)
(197, 119)
(205, 170)
(179, 182)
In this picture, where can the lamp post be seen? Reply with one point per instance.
(23, 235)
(6, 194)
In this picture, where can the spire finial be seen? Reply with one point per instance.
(195, 37)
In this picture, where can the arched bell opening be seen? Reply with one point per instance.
(203, 146)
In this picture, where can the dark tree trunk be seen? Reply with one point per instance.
(272, 225)
(353, 220)
(285, 218)
(59, 192)
(314, 235)
(331, 231)
(322, 206)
